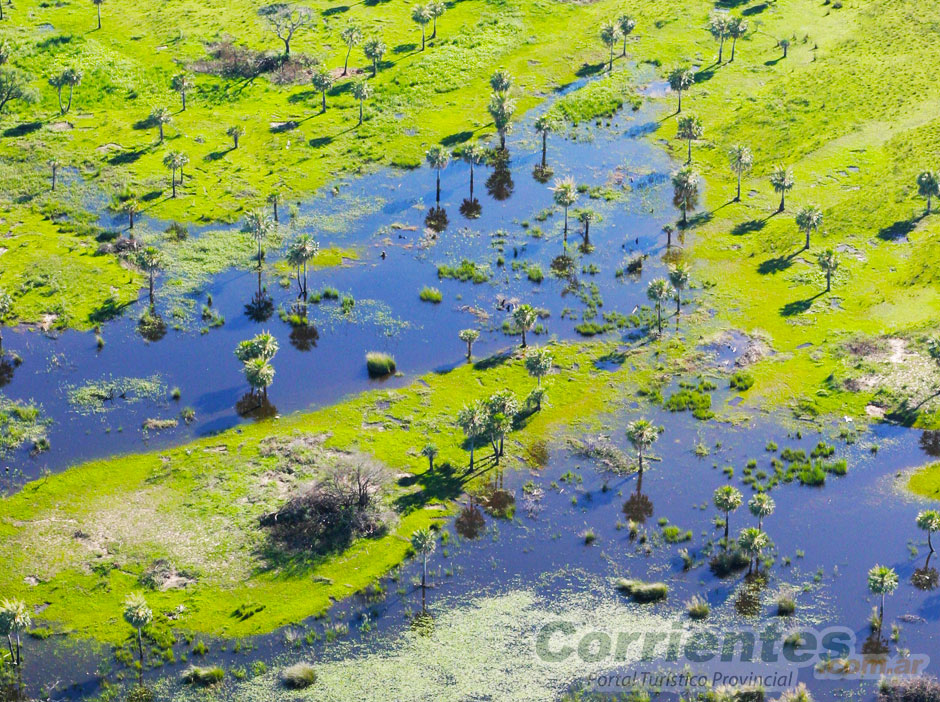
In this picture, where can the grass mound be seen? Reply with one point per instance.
(641, 591)
(298, 676)
(380, 365)
(203, 677)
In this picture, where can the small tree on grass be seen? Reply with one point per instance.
(286, 20)
(626, 24)
(351, 36)
(259, 225)
(472, 420)
(726, 499)
(565, 194)
(538, 364)
(808, 220)
(160, 117)
(182, 84)
(175, 160)
(468, 336)
(436, 10)
(430, 452)
(610, 35)
(14, 619)
(98, 4)
(501, 109)
(690, 129)
(929, 521)
(14, 85)
(642, 434)
(501, 410)
(525, 317)
(785, 45)
(718, 26)
(424, 543)
(741, 160)
(737, 28)
(421, 16)
(685, 191)
(362, 91)
(829, 263)
(882, 581)
(54, 164)
(781, 179)
(236, 132)
(501, 81)
(658, 291)
(679, 276)
(928, 186)
(681, 79)
(322, 81)
(139, 615)
(374, 49)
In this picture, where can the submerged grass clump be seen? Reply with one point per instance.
(298, 676)
(102, 395)
(641, 591)
(698, 608)
(21, 424)
(203, 677)
(380, 364)
(429, 294)
(465, 271)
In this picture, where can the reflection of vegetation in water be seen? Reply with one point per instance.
(21, 424)
(100, 395)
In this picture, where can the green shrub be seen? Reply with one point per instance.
(204, 677)
(785, 607)
(698, 608)
(535, 273)
(298, 676)
(641, 591)
(675, 535)
(430, 295)
(742, 380)
(379, 364)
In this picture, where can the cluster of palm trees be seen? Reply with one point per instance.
(723, 27)
(751, 541)
(660, 290)
(612, 32)
(426, 14)
(15, 619)
(256, 355)
(501, 106)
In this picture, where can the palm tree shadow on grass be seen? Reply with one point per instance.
(748, 227)
(900, 230)
(799, 306)
(776, 264)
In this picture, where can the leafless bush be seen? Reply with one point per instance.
(922, 688)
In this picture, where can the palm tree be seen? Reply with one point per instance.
(182, 84)
(718, 26)
(54, 164)
(72, 77)
(436, 9)
(160, 117)
(501, 81)
(525, 317)
(472, 154)
(174, 160)
(610, 35)
(679, 276)
(929, 521)
(781, 179)
(468, 336)
(351, 36)
(150, 261)
(131, 207)
(928, 185)
(726, 499)
(236, 132)
(374, 50)
(303, 250)
(14, 619)
(882, 580)
(472, 419)
(97, 4)
(761, 505)
(784, 44)
(658, 291)
(275, 199)
(263, 346)
(737, 28)
(538, 364)
(685, 191)
(6, 307)
(752, 542)
(424, 543)
(138, 614)
(565, 194)
(430, 452)
(808, 220)
(501, 108)
(437, 157)
(501, 409)
(642, 434)
(626, 24)
(681, 79)
(57, 81)
(322, 81)
(259, 226)
(544, 124)
(421, 16)
(260, 374)
(741, 160)
(586, 217)
(690, 128)
(362, 91)
(829, 263)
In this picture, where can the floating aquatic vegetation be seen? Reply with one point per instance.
(103, 395)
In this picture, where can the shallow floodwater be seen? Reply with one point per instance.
(383, 217)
